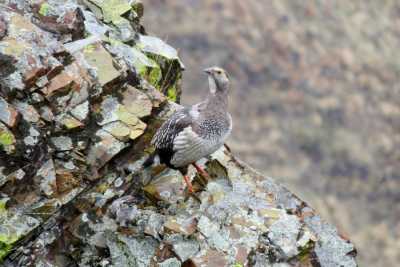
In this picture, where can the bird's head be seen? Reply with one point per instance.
(218, 79)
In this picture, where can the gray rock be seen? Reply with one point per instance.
(28, 112)
(8, 114)
(93, 26)
(33, 138)
(37, 98)
(66, 121)
(156, 46)
(81, 111)
(130, 251)
(47, 176)
(75, 46)
(171, 262)
(124, 210)
(185, 248)
(101, 230)
(46, 113)
(103, 150)
(13, 226)
(331, 250)
(283, 234)
(14, 81)
(109, 108)
(216, 238)
(79, 97)
(42, 82)
(3, 28)
(62, 143)
(154, 225)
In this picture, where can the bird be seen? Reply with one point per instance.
(196, 131)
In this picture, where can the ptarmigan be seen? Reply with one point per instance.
(197, 131)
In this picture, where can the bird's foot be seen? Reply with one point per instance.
(188, 184)
(191, 192)
(202, 172)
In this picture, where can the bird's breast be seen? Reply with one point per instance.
(215, 128)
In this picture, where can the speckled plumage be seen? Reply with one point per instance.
(196, 131)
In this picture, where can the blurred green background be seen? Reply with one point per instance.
(315, 100)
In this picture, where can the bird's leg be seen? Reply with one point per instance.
(188, 183)
(201, 171)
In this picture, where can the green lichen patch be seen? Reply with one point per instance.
(154, 61)
(68, 122)
(44, 209)
(305, 253)
(90, 48)
(118, 129)
(44, 9)
(172, 94)
(3, 204)
(144, 66)
(6, 242)
(166, 57)
(12, 228)
(113, 11)
(7, 139)
(125, 116)
(122, 120)
(12, 47)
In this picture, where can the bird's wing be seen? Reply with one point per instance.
(200, 139)
(188, 147)
(165, 135)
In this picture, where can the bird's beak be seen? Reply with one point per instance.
(208, 71)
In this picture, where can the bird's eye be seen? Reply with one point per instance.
(219, 72)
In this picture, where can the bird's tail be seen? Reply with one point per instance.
(150, 160)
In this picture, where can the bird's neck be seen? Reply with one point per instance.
(218, 99)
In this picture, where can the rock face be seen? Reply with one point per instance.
(83, 89)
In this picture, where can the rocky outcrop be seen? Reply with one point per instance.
(83, 88)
